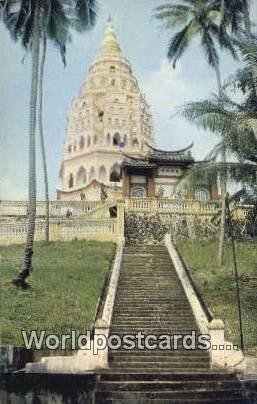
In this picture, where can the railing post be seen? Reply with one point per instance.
(217, 351)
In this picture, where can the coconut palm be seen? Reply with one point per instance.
(195, 18)
(236, 14)
(199, 18)
(29, 21)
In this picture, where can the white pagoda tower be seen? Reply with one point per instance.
(109, 116)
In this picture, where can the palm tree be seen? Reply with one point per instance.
(199, 18)
(195, 18)
(28, 21)
(236, 13)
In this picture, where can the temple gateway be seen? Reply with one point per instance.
(109, 142)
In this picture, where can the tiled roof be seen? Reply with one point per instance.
(170, 155)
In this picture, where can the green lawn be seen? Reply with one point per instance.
(218, 287)
(65, 287)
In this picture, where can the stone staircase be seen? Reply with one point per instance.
(150, 299)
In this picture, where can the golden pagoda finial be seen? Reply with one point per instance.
(110, 43)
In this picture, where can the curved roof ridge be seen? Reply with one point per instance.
(171, 151)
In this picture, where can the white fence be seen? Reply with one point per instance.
(56, 208)
(64, 230)
(171, 206)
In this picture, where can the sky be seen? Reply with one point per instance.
(144, 42)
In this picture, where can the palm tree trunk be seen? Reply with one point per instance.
(223, 183)
(250, 40)
(27, 262)
(41, 135)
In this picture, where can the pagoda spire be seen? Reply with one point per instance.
(110, 44)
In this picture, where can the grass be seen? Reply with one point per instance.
(65, 286)
(218, 286)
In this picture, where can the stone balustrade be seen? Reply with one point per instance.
(171, 206)
(56, 208)
(63, 230)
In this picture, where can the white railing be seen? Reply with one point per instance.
(171, 206)
(56, 208)
(63, 230)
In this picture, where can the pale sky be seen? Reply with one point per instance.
(144, 43)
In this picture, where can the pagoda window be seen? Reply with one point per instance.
(115, 173)
(112, 69)
(81, 176)
(116, 139)
(71, 181)
(135, 142)
(82, 142)
(91, 174)
(102, 174)
(101, 115)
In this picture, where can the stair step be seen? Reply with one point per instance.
(167, 385)
(172, 394)
(160, 365)
(172, 376)
(158, 358)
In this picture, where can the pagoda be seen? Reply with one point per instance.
(109, 116)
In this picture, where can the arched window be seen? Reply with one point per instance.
(112, 69)
(81, 176)
(138, 192)
(202, 194)
(102, 174)
(71, 181)
(116, 139)
(108, 139)
(69, 148)
(88, 141)
(113, 83)
(81, 142)
(115, 173)
(91, 174)
(134, 142)
(95, 139)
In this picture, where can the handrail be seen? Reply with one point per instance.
(195, 287)
(103, 293)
